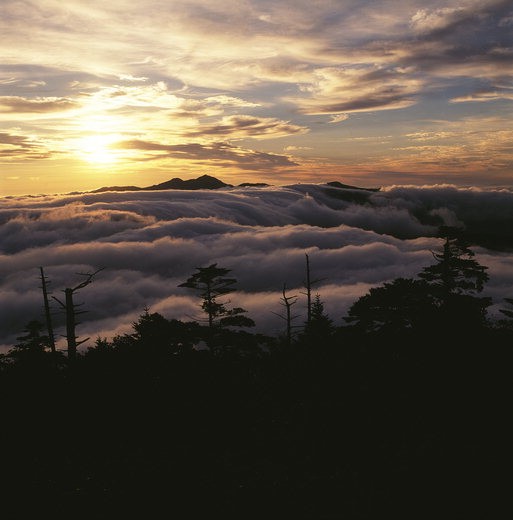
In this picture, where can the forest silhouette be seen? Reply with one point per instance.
(402, 411)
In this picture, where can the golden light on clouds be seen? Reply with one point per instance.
(137, 88)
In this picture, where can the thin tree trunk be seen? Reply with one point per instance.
(71, 325)
(288, 306)
(308, 292)
(48, 316)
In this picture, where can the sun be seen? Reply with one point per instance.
(97, 149)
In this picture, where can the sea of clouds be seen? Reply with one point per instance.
(148, 242)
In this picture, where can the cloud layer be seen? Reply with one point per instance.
(149, 242)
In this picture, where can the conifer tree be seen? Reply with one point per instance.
(454, 281)
(320, 324)
(212, 282)
(31, 346)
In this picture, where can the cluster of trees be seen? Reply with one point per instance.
(445, 294)
(403, 411)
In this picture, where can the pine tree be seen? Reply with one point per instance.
(454, 281)
(320, 325)
(31, 347)
(455, 271)
(212, 282)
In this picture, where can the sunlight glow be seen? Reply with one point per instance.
(96, 149)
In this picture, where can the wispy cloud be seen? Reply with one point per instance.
(348, 90)
(484, 96)
(242, 126)
(13, 146)
(220, 153)
(16, 104)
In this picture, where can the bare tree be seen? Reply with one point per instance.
(70, 308)
(48, 315)
(308, 284)
(287, 302)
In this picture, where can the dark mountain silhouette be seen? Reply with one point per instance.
(117, 188)
(336, 184)
(254, 185)
(205, 182)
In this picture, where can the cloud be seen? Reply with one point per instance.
(346, 90)
(129, 77)
(480, 143)
(151, 241)
(484, 96)
(220, 154)
(431, 136)
(292, 148)
(13, 146)
(242, 126)
(21, 83)
(230, 101)
(338, 118)
(460, 40)
(17, 104)
(15, 140)
(427, 21)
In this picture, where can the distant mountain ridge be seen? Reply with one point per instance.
(207, 182)
(336, 184)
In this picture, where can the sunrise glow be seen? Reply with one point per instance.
(374, 94)
(96, 149)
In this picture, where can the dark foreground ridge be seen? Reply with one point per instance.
(403, 412)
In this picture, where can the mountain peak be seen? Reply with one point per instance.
(205, 182)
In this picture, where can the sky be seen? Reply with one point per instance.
(367, 92)
(149, 242)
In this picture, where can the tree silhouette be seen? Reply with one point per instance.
(70, 307)
(320, 326)
(211, 282)
(445, 294)
(308, 284)
(287, 302)
(157, 334)
(401, 304)
(455, 271)
(31, 348)
(326, 427)
(48, 314)
(454, 280)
